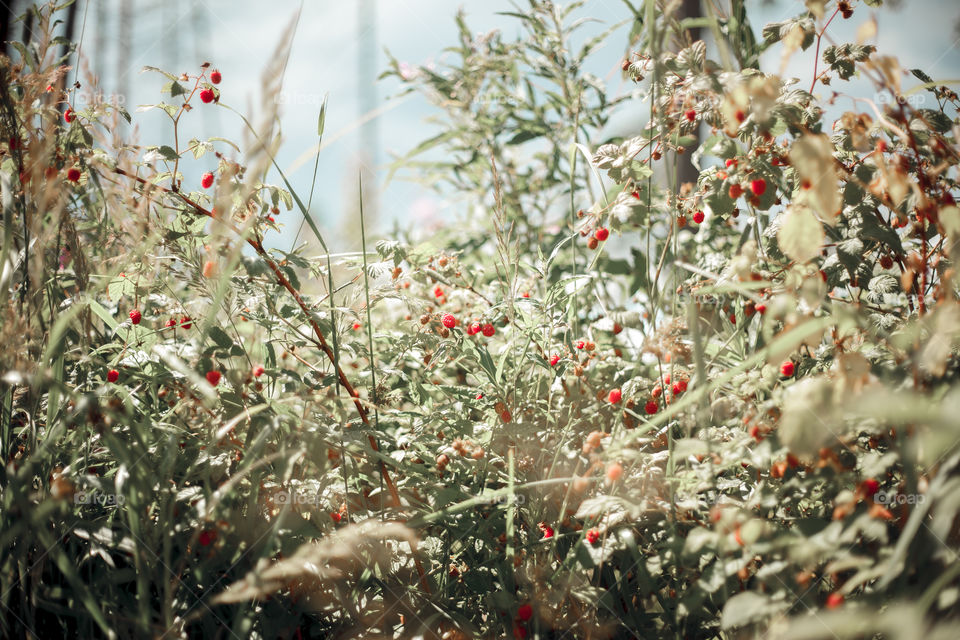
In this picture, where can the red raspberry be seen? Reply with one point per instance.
(740, 115)
(690, 115)
(135, 316)
(480, 396)
(207, 180)
(449, 321)
(614, 472)
(834, 600)
(170, 323)
(602, 234)
(736, 191)
(488, 330)
(870, 487)
(258, 371)
(526, 294)
(356, 326)
(207, 536)
(207, 95)
(113, 375)
(698, 217)
(787, 369)
(474, 328)
(185, 322)
(758, 186)
(215, 76)
(666, 379)
(73, 174)
(730, 162)
(681, 384)
(547, 530)
(651, 407)
(593, 536)
(761, 308)
(677, 389)
(614, 396)
(617, 328)
(581, 344)
(636, 194)
(335, 515)
(69, 116)
(438, 292)
(213, 377)
(886, 262)
(554, 359)
(524, 613)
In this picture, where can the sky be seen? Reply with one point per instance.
(239, 38)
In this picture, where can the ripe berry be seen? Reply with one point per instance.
(215, 76)
(356, 326)
(438, 292)
(593, 536)
(554, 359)
(524, 613)
(651, 407)
(69, 115)
(73, 174)
(546, 529)
(698, 217)
(690, 115)
(213, 377)
(787, 369)
(761, 308)
(834, 600)
(614, 471)
(170, 323)
(736, 191)
(113, 375)
(474, 328)
(886, 261)
(581, 344)
(870, 487)
(335, 516)
(617, 328)
(614, 396)
(488, 330)
(740, 115)
(602, 234)
(135, 316)
(677, 389)
(449, 321)
(207, 180)
(258, 371)
(730, 162)
(207, 536)
(207, 95)
(758, 186)
(681, 384)
(185, 322)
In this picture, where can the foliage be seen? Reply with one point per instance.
(607, 404)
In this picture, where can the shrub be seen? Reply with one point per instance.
(574, 412)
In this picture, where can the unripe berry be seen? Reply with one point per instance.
(113, 375)
(135, 316)
(758, 186)
(213, 377)
(592, 243)
(614, 471)
(207, 180)
(449, 321)
(602, 234)
(787, 369)
(488, 330)
(698, 217)
(215, 76)
(614, 396)
(207, 95)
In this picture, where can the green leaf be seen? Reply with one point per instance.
(220, 337)
(801, 234)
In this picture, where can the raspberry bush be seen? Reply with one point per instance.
(602, 403)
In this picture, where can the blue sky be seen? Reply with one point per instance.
(239, 37)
